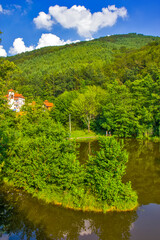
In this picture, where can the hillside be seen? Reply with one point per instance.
(131, 40)
(49, 71)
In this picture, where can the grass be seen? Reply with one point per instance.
(83, 134)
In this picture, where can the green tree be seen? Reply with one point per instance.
(7, 117)
(145, 91)
(9, 74)
(104, 172)
(40, 154)
(87, 105)
(7, 122)
(62, 106)
(118, 112)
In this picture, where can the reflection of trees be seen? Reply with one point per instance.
(27, 217)
(113, 226)
(86, 148)
(143, 169)
(13, 222)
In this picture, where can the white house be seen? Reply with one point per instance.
(15, 100)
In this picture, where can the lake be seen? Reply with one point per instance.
(24, 217)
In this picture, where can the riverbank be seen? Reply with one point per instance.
(84, 135)
(84, 138)
(66, 200)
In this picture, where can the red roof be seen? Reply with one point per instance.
(10, 90)
(16, 95)
(48, 104)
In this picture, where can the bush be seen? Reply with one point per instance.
(104, 172)
(40, 154)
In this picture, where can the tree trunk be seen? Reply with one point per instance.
(88, 125)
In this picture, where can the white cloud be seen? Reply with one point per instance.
(43, 21)
(3, 11)
(80, 18)
(52, 40)
(19, 47)
(3, 52)
(44, 41)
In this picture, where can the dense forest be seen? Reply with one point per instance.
(50, 71)
(107, 84)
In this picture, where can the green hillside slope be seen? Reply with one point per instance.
(49, 71)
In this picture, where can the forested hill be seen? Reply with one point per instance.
(131, 40)
(49, 71)
(111, 83)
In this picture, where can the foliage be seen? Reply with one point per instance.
(87, 105)
(62, 110)
(7, 117)
(140, 72)
(50, 71)
(104, 172)
(118, 113)
(40, 153)
(41, 159)
(9, 74)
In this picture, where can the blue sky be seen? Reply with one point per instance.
(32, 24)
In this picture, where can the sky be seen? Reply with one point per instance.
(31, 24)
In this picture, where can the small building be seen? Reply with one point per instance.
(48, 105)
(15, 100)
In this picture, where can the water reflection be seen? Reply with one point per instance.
(143, 170)
(12, 221)
(86, 148)
(24, 217)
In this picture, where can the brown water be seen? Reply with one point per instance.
(24, 217)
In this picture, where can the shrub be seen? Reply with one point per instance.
(104, 172)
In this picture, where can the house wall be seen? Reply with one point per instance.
(15, 103)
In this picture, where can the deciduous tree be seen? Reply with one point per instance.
(87, 105)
